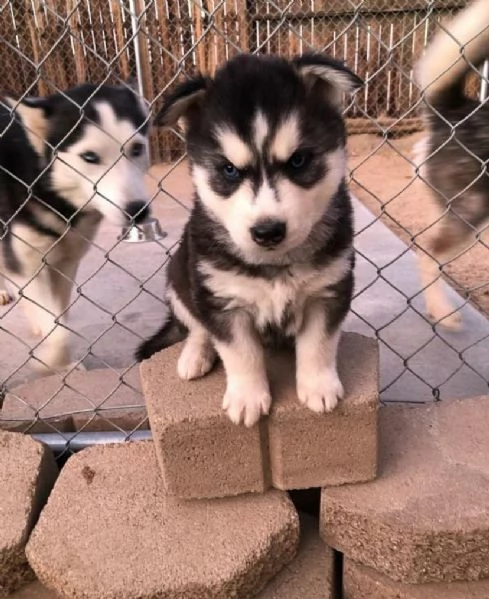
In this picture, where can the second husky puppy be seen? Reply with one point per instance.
(66, 161)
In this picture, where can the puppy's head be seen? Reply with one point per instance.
(266, 142)
(93, 143)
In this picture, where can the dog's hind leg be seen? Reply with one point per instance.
(198, 355)
(447, 239)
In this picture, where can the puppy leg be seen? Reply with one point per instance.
(44, 310)
(438, 308)
(448, 238)
(31, 312)
(60, 286)
(62, 280)
(247, 394)
(5, 296)
(29, 308)
(318, 383)
(198, 355)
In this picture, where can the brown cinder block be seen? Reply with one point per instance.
(360, 582)
(34, 591)
(128, 540)
(426, 518)
(318, 450)
(202, 454)
(27, 474)
(93, 400)
(310, 574)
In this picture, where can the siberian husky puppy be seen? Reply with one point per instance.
(66, 161)
(267, 252)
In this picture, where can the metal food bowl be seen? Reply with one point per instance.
(148, 230)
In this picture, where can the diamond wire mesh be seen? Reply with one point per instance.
(50, 45)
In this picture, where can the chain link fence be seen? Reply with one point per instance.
(46, 46)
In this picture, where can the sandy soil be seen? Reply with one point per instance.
(383, 178)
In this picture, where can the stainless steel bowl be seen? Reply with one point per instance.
(149, 230)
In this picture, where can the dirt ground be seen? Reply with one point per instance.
(383, 178)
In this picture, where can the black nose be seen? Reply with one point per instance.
(268, 233)
(137, 210)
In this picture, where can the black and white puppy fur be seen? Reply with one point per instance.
(267, 252)
(453, 159)
(66, 161)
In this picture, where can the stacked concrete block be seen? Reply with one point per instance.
(361, 582)
(422, 528)
(203, 455)
(194, 513)
(34, 591)
(27, 474)
(317, 450)
(309, 575)
(96, 400)
(128, 539)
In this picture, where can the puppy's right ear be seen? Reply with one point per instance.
(184, 100)
(34, 114)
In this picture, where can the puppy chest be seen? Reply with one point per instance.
(278, 302)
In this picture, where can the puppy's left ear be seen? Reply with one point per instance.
(333, 75)
(185, 99)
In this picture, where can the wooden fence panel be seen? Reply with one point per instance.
(53, 44)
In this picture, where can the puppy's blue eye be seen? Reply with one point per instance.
(298, 160)
(90, 157)
(231, 172)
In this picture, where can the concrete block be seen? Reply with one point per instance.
(311, 450)
(311, 574)
(93, 400)
(202, 454)
(360, 582)
(34, 591)
(128, 540)
(425, 519)
(200, 451)
(27, 474)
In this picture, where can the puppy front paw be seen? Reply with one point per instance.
(319, 391)
(246, 402)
